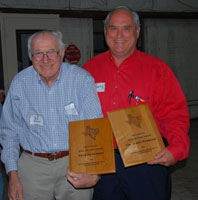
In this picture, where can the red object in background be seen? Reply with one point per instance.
(72, 54)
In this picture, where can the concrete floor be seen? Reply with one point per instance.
(184, 173)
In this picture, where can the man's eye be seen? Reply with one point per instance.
(127, 27)
(51, 52)
(112, 27)
(38, 53)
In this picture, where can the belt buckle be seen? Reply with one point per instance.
(116, 150)
(49, 156)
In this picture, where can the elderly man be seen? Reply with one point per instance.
(127, 77)
(42, 99)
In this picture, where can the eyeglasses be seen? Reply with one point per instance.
(51, 54)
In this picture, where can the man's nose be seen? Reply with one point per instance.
(119, 33)
(45, 58)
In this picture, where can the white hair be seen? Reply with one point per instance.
(57, 34)
(133, 14)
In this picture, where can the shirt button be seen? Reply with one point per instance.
(116, 86)
(114, 103)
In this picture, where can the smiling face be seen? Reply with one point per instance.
(48, 67)
(121, 34)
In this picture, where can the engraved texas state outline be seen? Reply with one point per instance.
(134, 120)
(92, 132)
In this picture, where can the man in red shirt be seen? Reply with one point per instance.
(127, 77)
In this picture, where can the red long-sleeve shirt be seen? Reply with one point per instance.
(152, 82)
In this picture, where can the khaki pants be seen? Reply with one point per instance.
(46, 180)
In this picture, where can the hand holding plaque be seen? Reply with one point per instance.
(136, 134)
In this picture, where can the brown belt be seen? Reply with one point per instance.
(50, 156)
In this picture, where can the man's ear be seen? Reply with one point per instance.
(63, 53)
(138, 32)
(105, 32)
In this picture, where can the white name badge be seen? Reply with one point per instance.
(70, 109)
(100, 87)
(36, 120)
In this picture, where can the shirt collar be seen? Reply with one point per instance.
(132, 56)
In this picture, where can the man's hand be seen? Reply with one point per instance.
(164, 157)
(82, 180)
(15, 190)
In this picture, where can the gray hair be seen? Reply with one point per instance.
(133, 14)
(57, 34)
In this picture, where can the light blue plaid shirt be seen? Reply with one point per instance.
(36, 116)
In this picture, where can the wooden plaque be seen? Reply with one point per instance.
(91, 146)
(136, 134)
